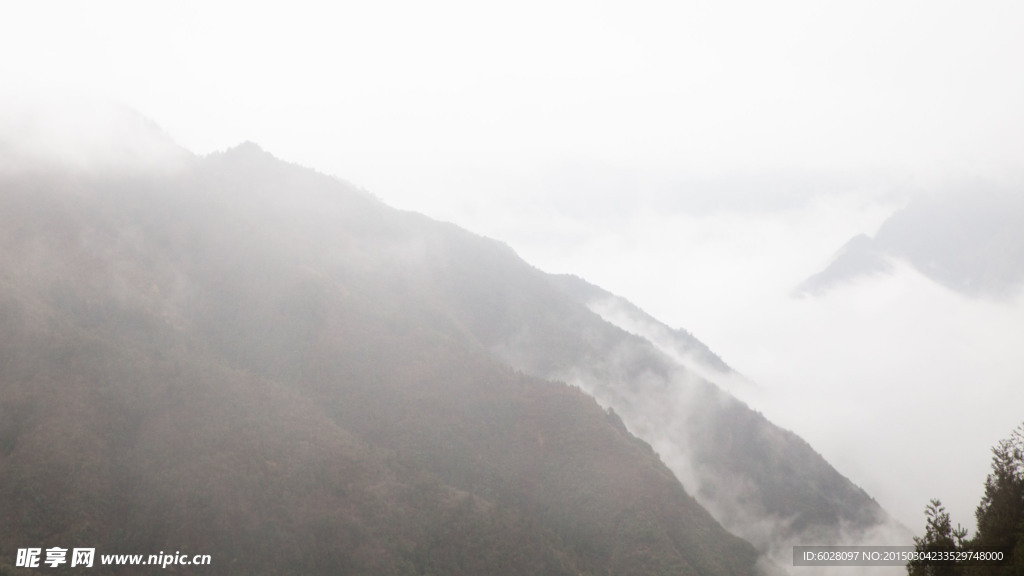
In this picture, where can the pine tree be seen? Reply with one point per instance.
(1000, 518)
(1000, 515)
(939, 535)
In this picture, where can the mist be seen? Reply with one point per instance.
(701, 161)
(81, 133)
(900, 382)
(883, 374)
(663, 409)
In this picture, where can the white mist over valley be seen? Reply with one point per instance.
(826, 196)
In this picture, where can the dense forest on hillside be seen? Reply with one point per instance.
(762, 482)
(247, 359)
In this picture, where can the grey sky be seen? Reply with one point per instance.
(366, 88)
(699, 158)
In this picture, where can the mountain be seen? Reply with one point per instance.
(762, 482)
(859, 257)
(236, 356)
(677, 343)
(968, 242)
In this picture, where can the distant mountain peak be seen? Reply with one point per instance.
(858, 257)
(247, 152)
(969, 242)
(247, 147)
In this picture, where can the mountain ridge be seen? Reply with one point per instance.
(250, 360)
(969, 242)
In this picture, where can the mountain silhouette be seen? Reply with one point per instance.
(237, 356)
(968, 241)
(247, 359)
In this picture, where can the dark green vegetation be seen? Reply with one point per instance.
(253, 361)
(999, 516)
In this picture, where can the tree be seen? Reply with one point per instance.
(1000, 515)
(1000, 518)
(939, 535)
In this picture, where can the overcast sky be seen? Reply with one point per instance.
(699, 158)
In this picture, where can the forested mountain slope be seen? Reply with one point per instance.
(243, 358)
(762, 482)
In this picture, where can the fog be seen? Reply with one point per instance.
(663, 409)
(901, 383)
(700, 160)
(80, 132)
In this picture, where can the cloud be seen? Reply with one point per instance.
(900, 383)
(81, 133)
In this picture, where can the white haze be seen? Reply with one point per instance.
(82, 133)
(901, 384)
(700, 159)
(662, 415)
